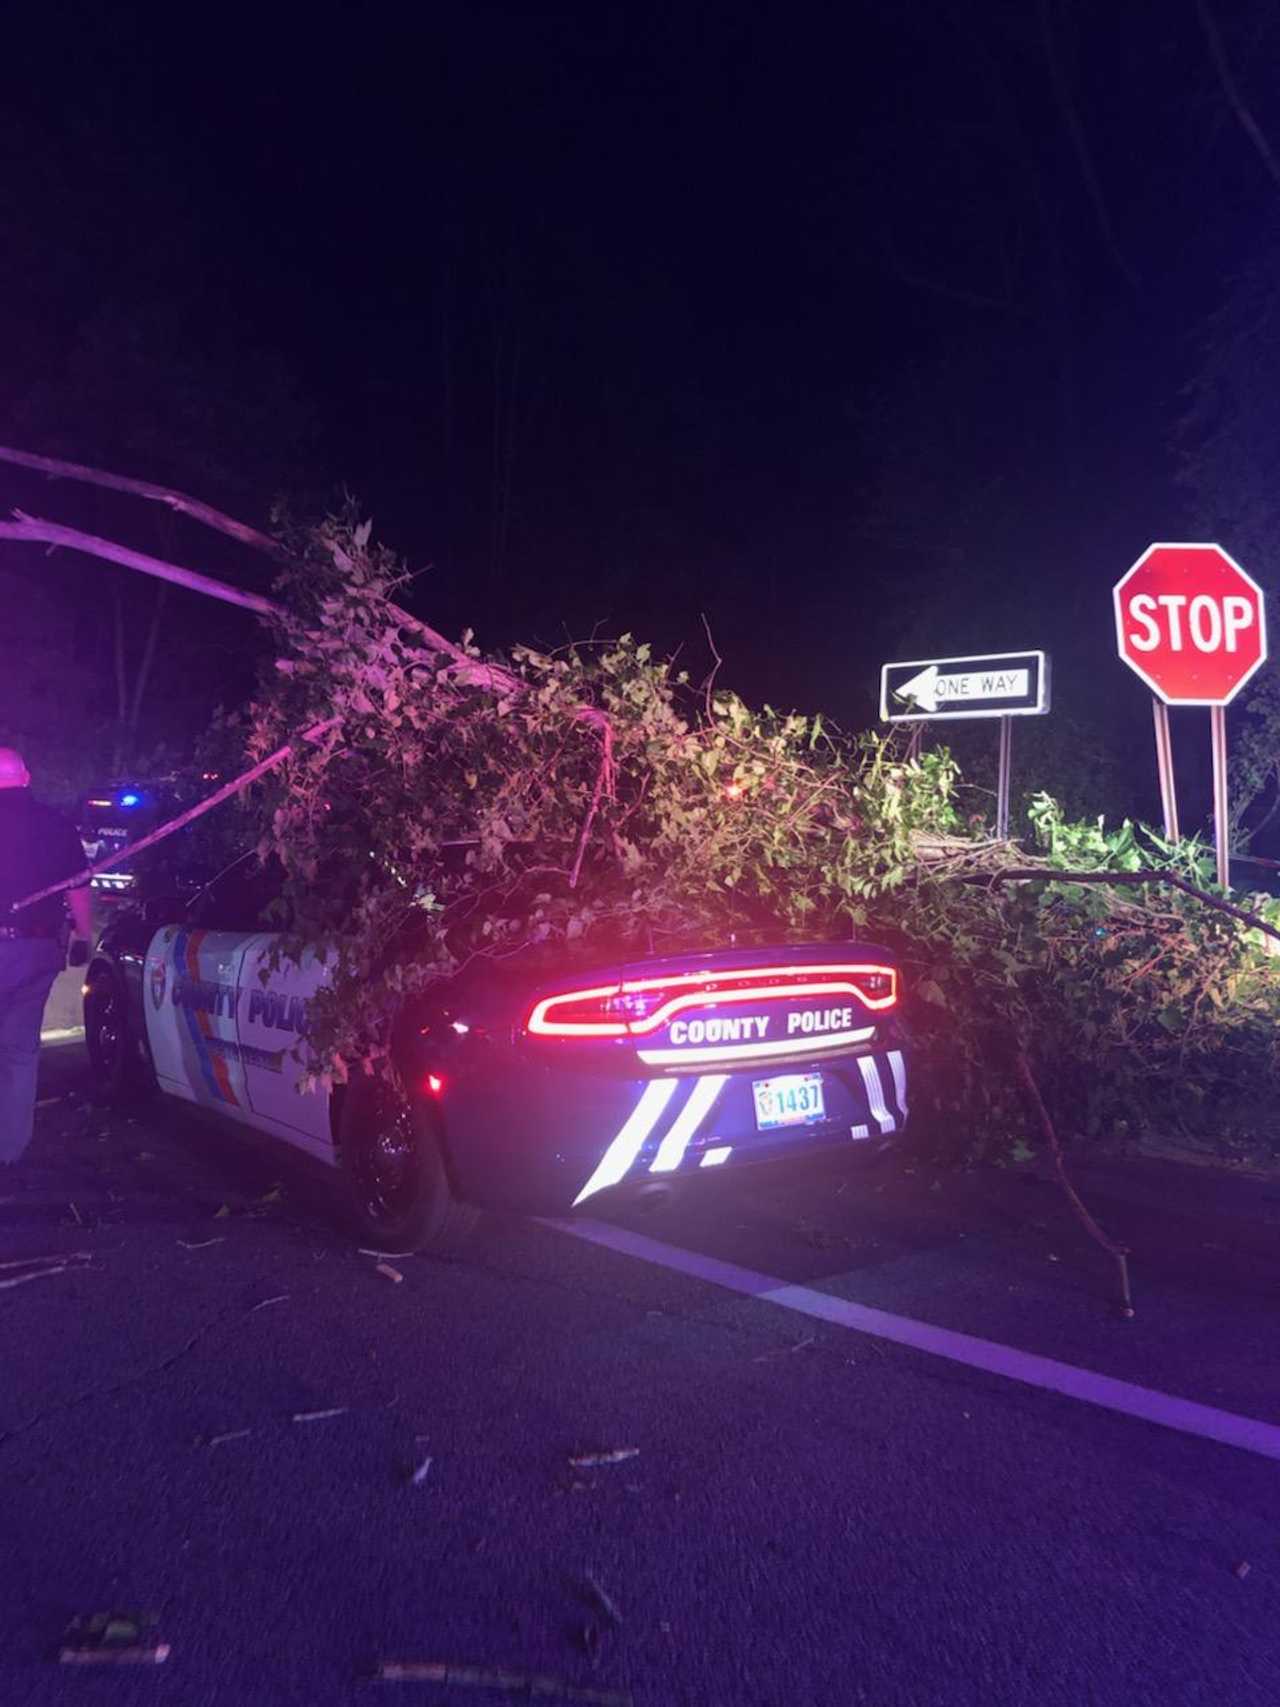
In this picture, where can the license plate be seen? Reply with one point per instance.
(795, 1099)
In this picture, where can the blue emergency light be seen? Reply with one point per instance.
(130, 799)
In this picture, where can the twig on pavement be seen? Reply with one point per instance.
(36, 1274)
(151, 1370)
(495, 1677)
(54, 1256)
(605, 1601)
(232, 1434)
(1119, 1252)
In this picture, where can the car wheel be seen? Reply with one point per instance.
(397, 1186)
(121, 1066)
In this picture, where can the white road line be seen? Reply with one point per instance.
(1145, 1403)
(68, 1034)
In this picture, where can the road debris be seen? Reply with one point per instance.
(202, 1244)
(63, 1257)
(392, 1274)
(592, 1638)
(594, 1460)
(494, 1677)
(603, 1600)
(112, 1638)
(280, 1298)
(398, 1255)
(786, 1350)
(419, 1476)
(36, 1274)
(1242, 1569)
(319, 1416)
(213, 1440)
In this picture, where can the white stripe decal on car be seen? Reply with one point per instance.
(714, 1157)
(686, 1123)
(624, 1149)
(899, 1070)
(875, 1095)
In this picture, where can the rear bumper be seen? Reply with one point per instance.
(545, 1139)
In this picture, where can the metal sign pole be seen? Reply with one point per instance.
(1002, 783)
(1218, 735)
(1164, 765)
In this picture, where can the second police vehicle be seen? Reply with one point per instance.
(527, 1085)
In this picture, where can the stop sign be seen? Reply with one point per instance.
(1191, 623)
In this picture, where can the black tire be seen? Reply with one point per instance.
(120, 1061)
(398, 1192)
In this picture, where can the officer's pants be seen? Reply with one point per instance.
(28, 967)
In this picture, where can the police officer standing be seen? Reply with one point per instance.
(37, 847)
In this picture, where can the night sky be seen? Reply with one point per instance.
(865, 331)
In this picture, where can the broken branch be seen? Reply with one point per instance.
(1118, 1252)
(56, 469)
(32, 530)
(494, 1677)
(236, 786)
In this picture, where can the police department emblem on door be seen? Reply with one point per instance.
(158, 979)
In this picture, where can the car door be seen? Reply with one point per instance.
(274, 1015)
(193, 983)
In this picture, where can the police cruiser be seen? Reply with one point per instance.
(526, 1085)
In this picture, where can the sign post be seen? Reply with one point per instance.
(998, 684)
(1002, 779)
(1164, 767)
(1221, 805)
(1193, 625)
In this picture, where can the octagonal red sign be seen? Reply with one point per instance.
(1191, 623)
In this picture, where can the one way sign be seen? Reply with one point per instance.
(1001, 684)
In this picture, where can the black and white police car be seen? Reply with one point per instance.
(525, 1085)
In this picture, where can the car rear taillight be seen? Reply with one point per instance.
(640, 1006)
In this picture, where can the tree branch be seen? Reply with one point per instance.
(237, 785)
(462, 669)
(1127, 880)
(710, 682)
(604, 784)
(32, 530)
(470, 671)
(55, 469)
(1080, 144)
(148, 658)
(1119, 1252)
(122, 687)
(1230, 88)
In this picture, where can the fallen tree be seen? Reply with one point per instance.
(465, 805)
(695, 815)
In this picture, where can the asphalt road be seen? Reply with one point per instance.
(809, 1513)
